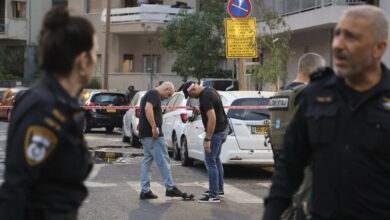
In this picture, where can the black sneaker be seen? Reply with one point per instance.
(147, 195)
(174, 192)
(211, 199)
(221, 194)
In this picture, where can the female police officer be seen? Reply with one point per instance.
(47, 159)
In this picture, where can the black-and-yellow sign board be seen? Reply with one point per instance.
(240, 35)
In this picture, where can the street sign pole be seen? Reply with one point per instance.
(241, 74)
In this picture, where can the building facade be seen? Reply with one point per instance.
(20, 23)
(312, 23)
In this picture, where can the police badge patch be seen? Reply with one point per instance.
(38, 144)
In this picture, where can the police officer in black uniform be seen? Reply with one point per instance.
(342, 128)
(47, 158)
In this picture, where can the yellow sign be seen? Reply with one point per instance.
(240, 34)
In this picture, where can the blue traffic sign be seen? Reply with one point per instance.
(239, 8)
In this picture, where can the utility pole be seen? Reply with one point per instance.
(107, 44)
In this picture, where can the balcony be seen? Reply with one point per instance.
(13, 29)
(310, 14)
(132, 20)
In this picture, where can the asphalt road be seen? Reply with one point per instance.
(114, 186)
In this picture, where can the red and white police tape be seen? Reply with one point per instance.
(163, 107)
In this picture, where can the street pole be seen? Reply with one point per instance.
(107, 44)
(241, 74)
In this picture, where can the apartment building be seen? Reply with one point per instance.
(136, 55)
(312, 23)
(20, 23)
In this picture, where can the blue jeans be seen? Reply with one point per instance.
(155, 149)
(213, 163)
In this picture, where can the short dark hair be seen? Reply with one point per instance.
(63, 37)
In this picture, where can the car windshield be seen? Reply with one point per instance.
(107, 99)
(249, 114)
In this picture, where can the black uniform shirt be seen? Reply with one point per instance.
(210, 99)
(145, 130)
(348, 144)
(47, 159)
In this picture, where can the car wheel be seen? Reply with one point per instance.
(86, 127)
(176, 150)
(185, 160)
(9, 115)
(109, 129)
(134, 142)
(124, 137)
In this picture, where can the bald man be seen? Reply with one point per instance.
(152, 139)
(307, 63)
(342, 128)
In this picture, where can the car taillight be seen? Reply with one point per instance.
(184, 117)
(137, 111)
(92, 109)
(137, 127)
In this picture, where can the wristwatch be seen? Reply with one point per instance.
(206, 139)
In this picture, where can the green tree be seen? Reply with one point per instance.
(273, 42)
(11, 60)
(197, 40)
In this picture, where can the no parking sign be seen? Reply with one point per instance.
(239, 8)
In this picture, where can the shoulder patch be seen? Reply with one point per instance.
(38, 144)
(59, 116)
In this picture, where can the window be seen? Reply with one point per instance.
(152, 63)
(59, 2)
(94, 6)
(18, 9)
(249, 114)
(130, 3)
(2, 16)
(128, 61)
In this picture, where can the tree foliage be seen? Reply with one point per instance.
(197, 40)
(273, 41)
(11, 60)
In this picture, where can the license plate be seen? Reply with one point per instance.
(111, 110)
(260, 129)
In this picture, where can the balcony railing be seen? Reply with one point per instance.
(143, 13)
(289, 7)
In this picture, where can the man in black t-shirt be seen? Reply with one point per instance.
(216, 126)
(154, 145)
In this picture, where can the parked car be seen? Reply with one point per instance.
(174, 121)
(8, 98)
(130, 130)
(246, 144)
(221, 84)
(107, 118)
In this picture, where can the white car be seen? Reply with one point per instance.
(131, 121)
(174, 121)
(246, 144)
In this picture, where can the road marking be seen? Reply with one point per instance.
(157, 189)
(96, 184)
(231, 193)
(95, 171)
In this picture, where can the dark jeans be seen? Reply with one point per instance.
(213, 163)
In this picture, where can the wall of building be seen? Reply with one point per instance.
(385, 5)
(314, 41)
(141, 81)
